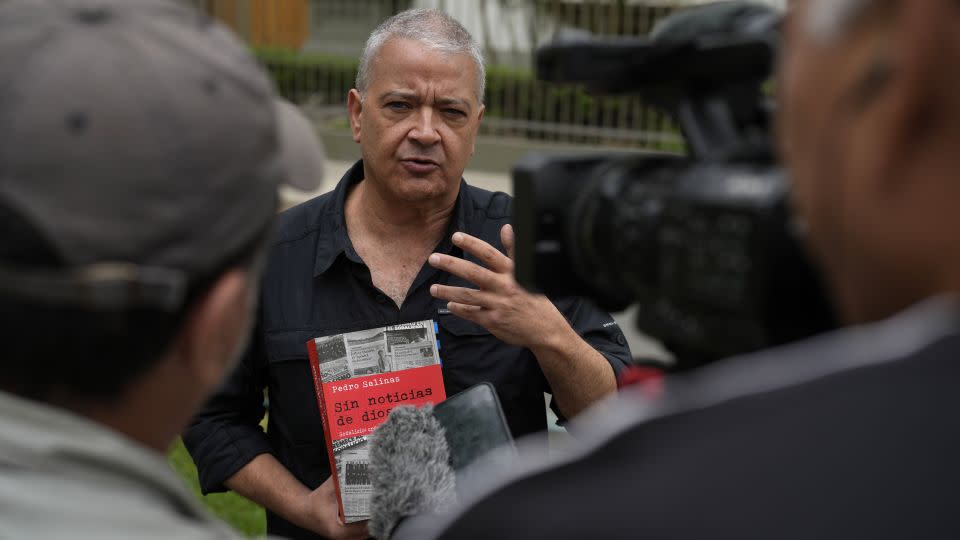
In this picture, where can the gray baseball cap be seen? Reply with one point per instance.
(143, 142)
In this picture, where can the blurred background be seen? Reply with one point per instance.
(312, 49)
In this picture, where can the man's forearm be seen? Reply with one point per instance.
(578, 374)
(268, 483)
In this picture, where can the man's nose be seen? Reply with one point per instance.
(424, 131)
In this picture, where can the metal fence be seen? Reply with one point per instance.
(320, 70)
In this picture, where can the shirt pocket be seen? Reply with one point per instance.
(293, 400)
(461, 341)
(471, 354)
(460, 327)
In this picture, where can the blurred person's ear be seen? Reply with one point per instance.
(910, 84)
(216, 330)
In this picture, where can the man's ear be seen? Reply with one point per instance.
(355, 107)
(921, 32)
(217, 328)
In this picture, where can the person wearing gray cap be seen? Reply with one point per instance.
(141, 148)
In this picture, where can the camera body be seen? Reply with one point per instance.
(704, 242)
(705, 250)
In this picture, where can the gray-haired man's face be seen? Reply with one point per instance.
(418, 120)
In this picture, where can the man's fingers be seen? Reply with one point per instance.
(357, 530)
(476, 274)
(465, 311)
(461, 295)
(487, 254)
(350, 531)
(507, 238)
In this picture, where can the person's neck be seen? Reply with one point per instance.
(911, 278)
(146, 412)
(372, 214)
(122, 419)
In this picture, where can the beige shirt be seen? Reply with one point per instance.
(64, 476)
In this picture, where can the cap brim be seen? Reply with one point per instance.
(301, 150)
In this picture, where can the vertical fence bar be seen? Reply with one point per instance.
(578, 107)
(497, 98)
(509, 103)
(336, 77)
(623, 118)
(637, 115)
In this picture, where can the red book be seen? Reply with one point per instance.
(359, 378)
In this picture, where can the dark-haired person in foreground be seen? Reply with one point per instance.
(141, 148)
(402, 238)
(853, 434)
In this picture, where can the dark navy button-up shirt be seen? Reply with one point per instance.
(315, 285)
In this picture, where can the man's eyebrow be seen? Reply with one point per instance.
(399, 94)
(414, 97)
(453, 101)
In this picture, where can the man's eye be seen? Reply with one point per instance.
(455, 112)
(398, 106)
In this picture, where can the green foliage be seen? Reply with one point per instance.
(505, 72)
(240, 513)
(287, 56)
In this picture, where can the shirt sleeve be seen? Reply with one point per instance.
(226, 434)
(600, 331)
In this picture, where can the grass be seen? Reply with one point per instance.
(240, 513)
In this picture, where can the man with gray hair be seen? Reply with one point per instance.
(852, 434)
(402, 238)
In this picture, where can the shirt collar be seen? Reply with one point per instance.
(331, 246)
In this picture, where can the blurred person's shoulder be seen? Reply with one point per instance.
(37, 505)
(64, 476)
(828, 434)
(886, 354)
(927, 331)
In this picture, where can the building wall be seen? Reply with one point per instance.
(263, 23)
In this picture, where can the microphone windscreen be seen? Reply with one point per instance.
(409, 468)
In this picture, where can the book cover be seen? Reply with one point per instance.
(359, 378)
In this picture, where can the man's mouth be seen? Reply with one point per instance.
(419, 165)
(421, 161)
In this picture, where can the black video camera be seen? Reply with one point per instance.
(704, 242)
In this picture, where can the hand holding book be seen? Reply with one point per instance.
(359, 378)
(321, 506)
